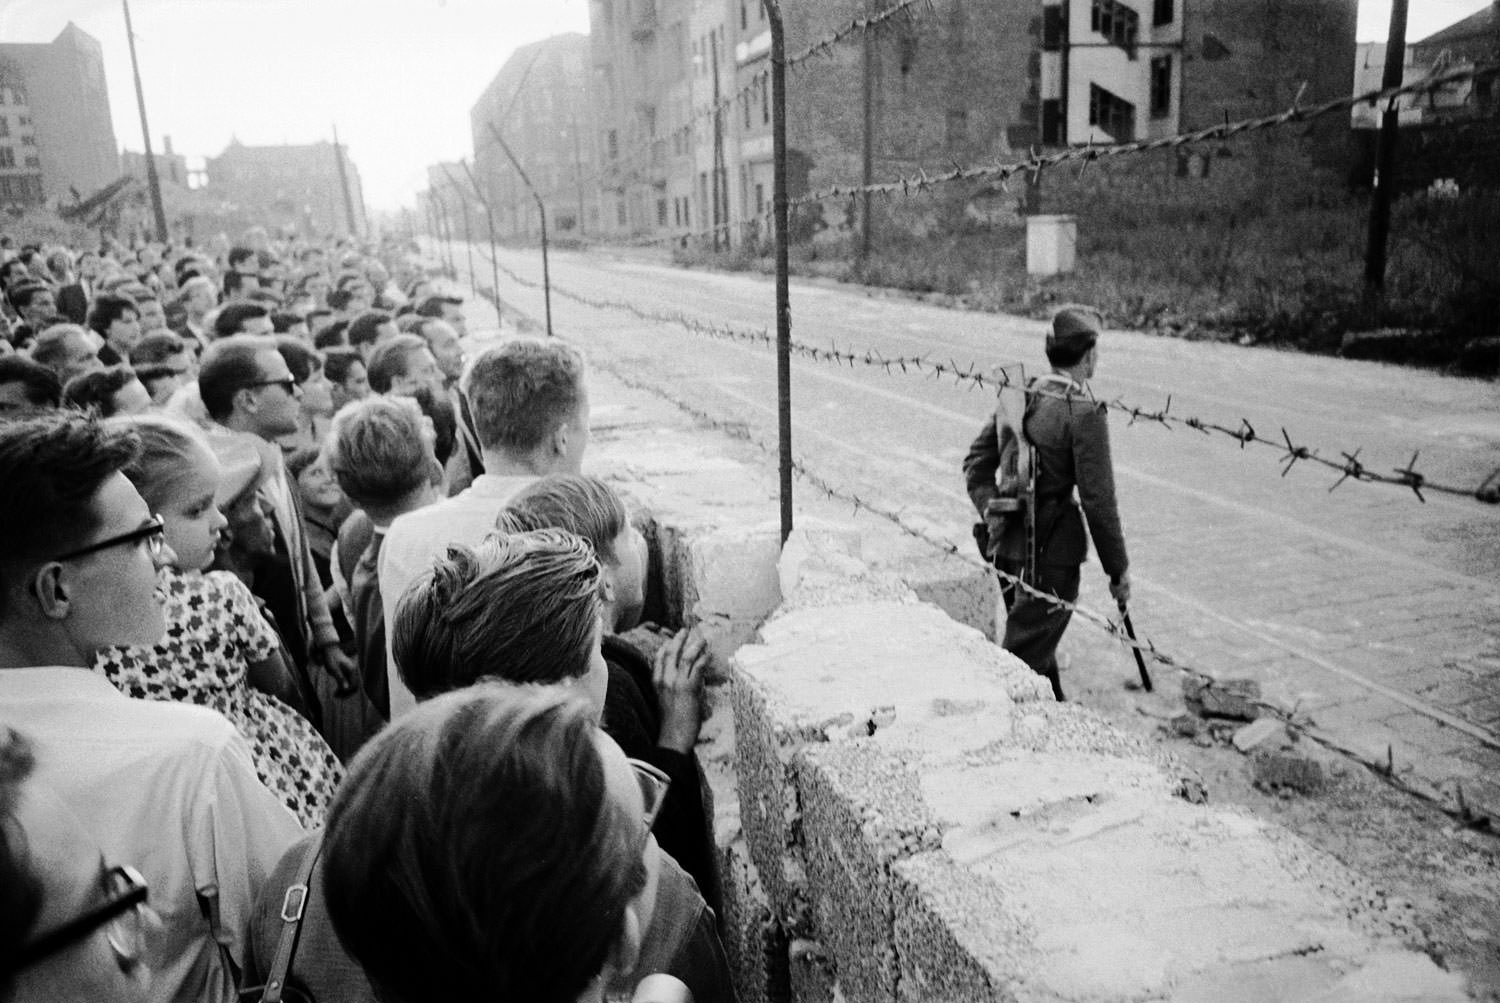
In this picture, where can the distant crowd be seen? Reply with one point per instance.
(321, 663)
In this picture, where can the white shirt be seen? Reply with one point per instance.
(416, 539)
(169, 789)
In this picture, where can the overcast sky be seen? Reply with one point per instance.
(397, 76)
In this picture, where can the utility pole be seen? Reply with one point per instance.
(713, 40)
(1385, 160)
(153, 182)
(338, 156)
(867, 149)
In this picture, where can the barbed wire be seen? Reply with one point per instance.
(760, 79)
(1293, 718)
(1348, 466)
(1035, 163)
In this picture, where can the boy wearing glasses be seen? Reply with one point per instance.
(169, 787)
(73, 928)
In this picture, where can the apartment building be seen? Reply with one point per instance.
(966, 81)
(57, 141)
(540, 103)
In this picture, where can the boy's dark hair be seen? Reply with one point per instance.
(364, 329)
(474, 851)
(95, 390)
(109, 308)
(233, 315)
(337, 362)
(42, 389)
(52, 464)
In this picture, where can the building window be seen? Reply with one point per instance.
(745, 106)
(28, 140)
(1054, 28)
(687, 211)
(1111, 113)
(1164, 12)
(4, 126)
(33, 162)
(760, 199)
(614, 144)
(765, 100)
(1052, 122)
(661, 212)
(7, 157)
(1161, 86)
(1116, 22)
(958, 127)
(620, 212)
(744, 16)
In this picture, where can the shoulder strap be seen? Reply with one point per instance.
(293, 908)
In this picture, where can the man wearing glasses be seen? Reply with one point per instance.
(168, 787)
(247, 388)
(73, 928)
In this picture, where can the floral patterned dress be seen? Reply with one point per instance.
(214, 631)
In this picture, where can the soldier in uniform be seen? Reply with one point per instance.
(1067, 429)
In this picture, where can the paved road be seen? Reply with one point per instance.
(1377, 615)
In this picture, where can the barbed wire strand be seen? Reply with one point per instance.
(1299, 723)
(1348, 465)
(1035, 163)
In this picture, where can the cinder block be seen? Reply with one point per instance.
(955, 941)
(968, 595)
(730, 585)
(754, 941)
(769, 811)
(1231, 698)
(813, 973)
(1288, 770)
(862, 812)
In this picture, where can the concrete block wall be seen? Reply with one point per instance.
(903, 813)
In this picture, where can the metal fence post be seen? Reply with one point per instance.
(783, 285)
(463, 201)
(489, 218)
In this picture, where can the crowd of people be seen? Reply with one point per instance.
(316, 662)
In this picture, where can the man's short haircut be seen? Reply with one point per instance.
(392, 359)
(577, 503)
(233, 315)
(39, 384)
(241, 254)
(408, 322)
(21, 891)
(339, 362)
(156, 348)
(364, 329)
(52, 464)
(94, 391)
(51, 346)
(523, 391)
(432, 306)
(107, 309)
(23, 293)
(335, 335)
(300, 359)
(338, 299)
(474, 851)
(523, 607)
(282, 321)
(229, 366)
(377, 451)
(347, 279)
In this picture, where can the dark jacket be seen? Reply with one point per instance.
(632, 717)
(1070, 433)
(73, 303)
